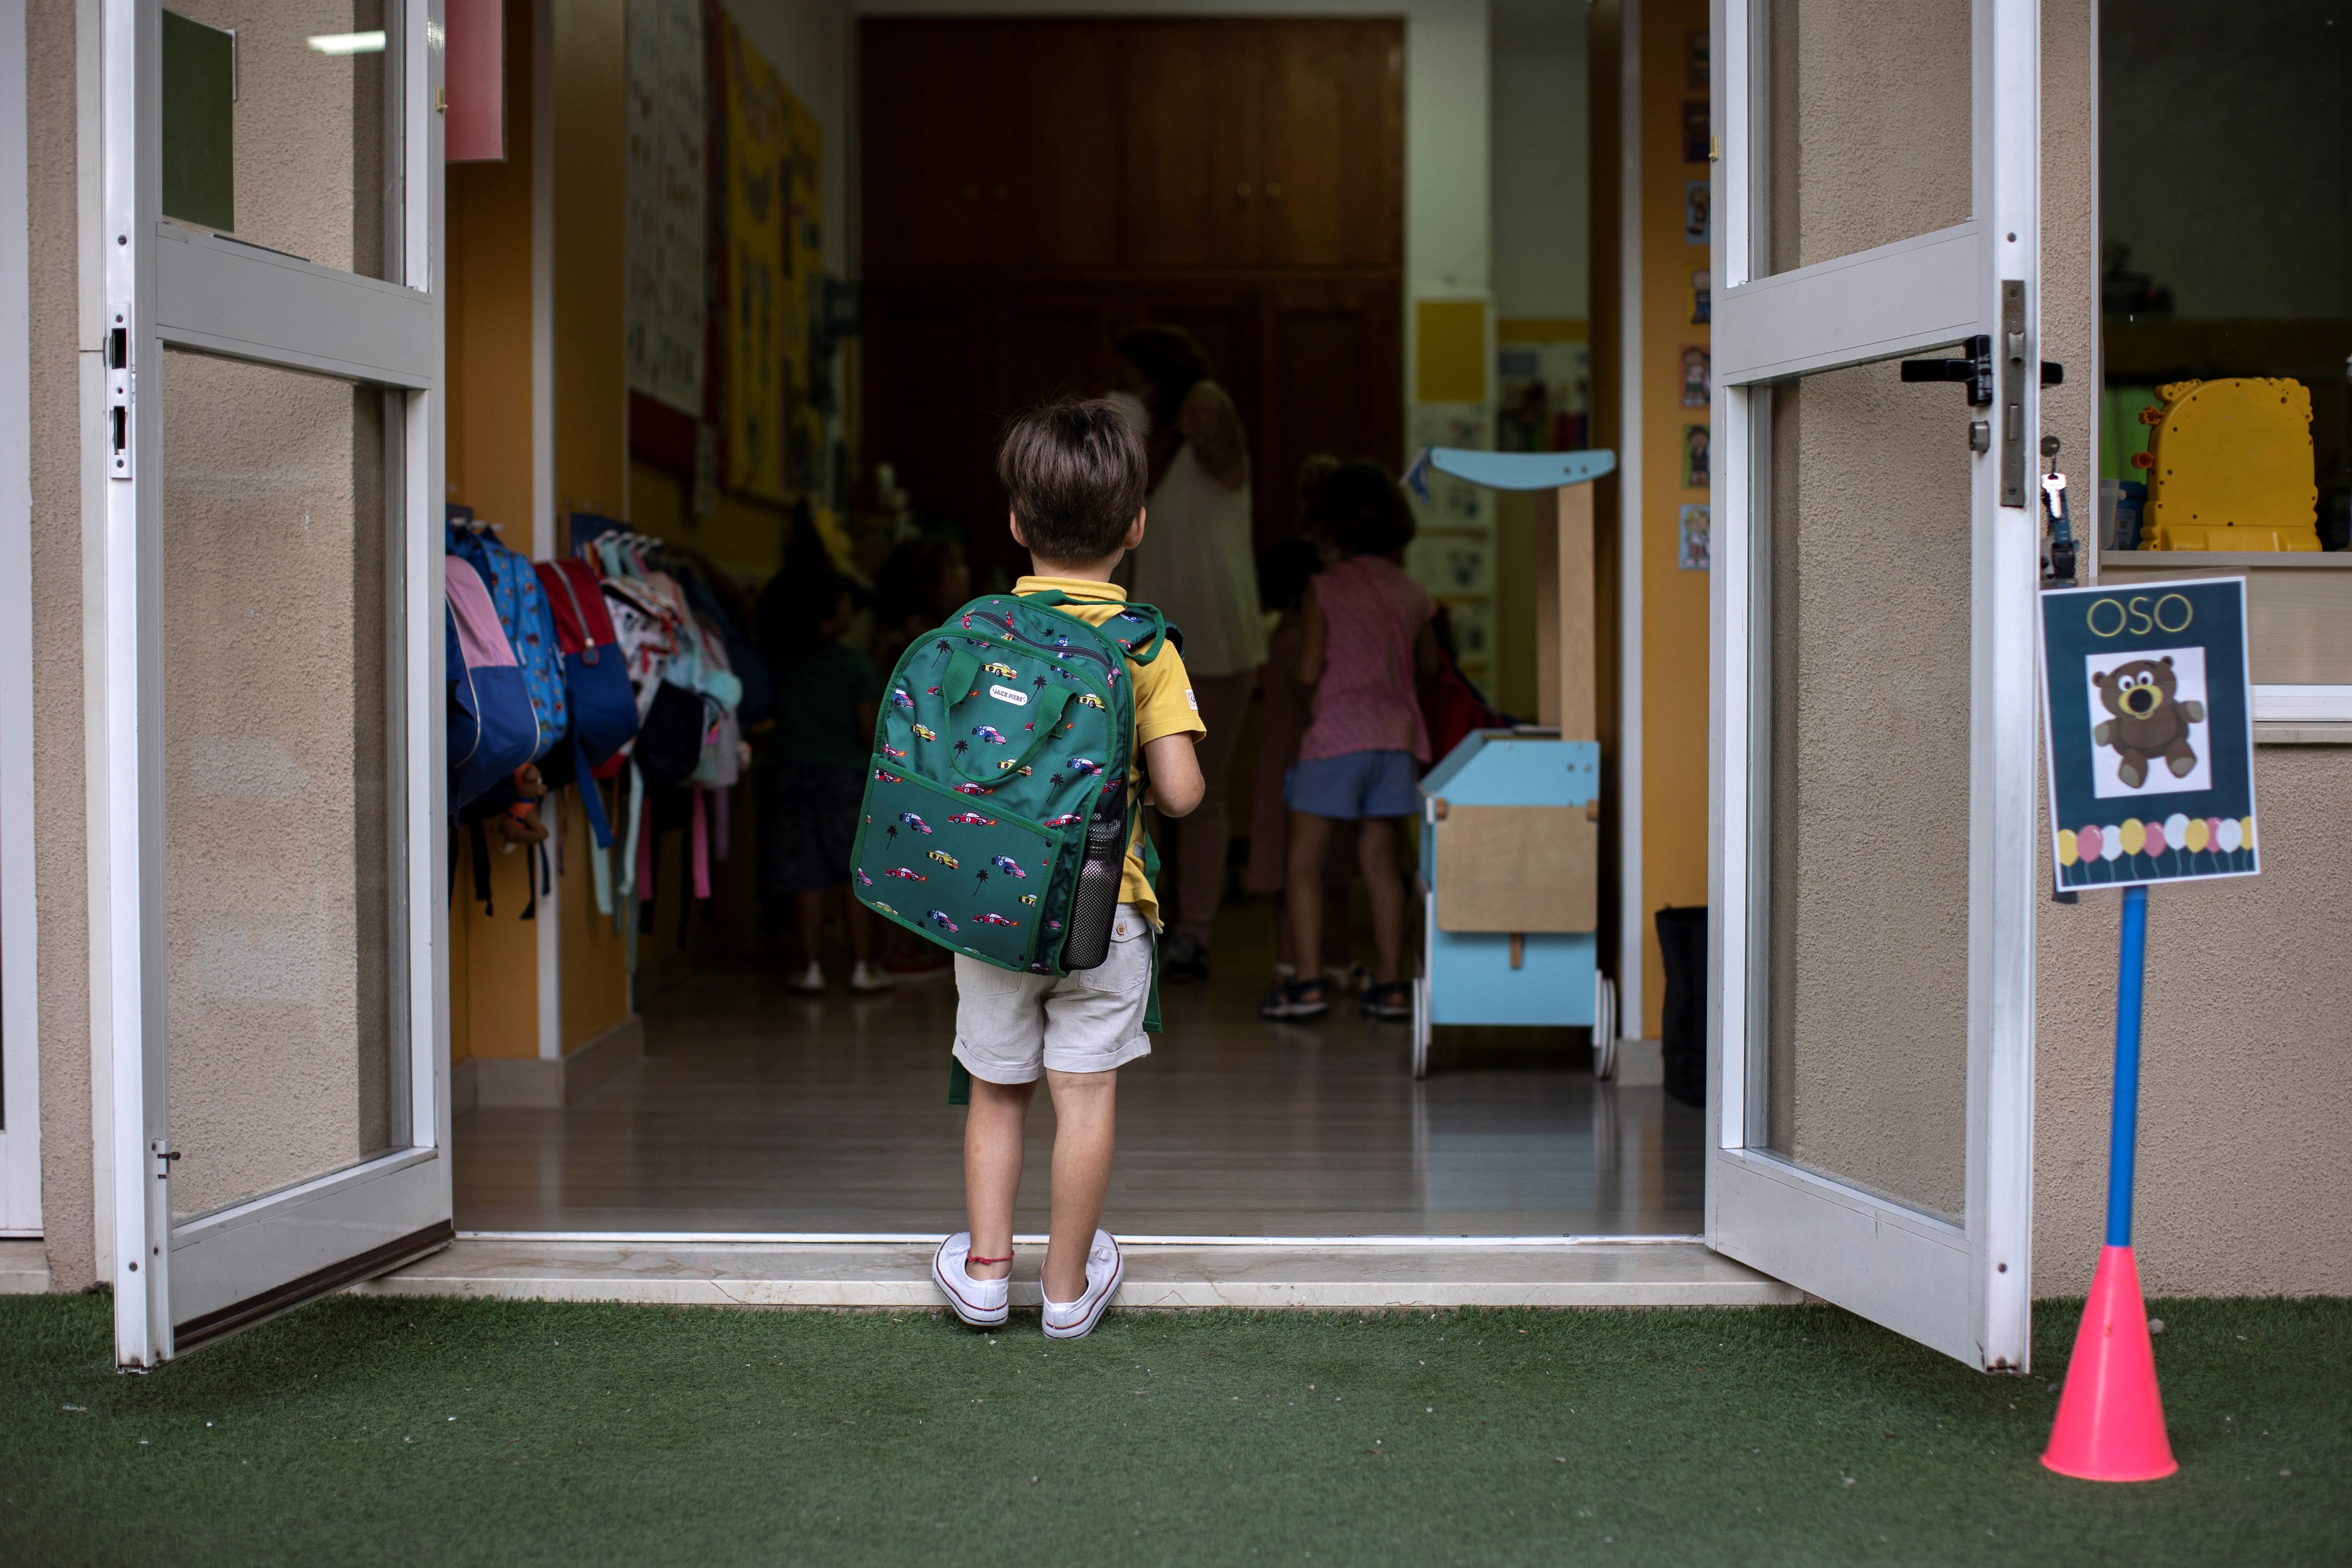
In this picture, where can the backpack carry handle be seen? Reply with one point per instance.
(1142, 653)
(957, 686)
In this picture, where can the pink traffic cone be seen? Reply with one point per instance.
(2110, 1424)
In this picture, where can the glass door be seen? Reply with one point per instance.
(1874, 704)
(273, 939)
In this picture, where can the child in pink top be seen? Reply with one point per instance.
(1366, 645)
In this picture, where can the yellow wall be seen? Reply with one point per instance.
(592, 436)
(493, 965)
(1673, 602)
(746, 538)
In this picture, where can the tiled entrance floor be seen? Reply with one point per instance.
(757, 1111)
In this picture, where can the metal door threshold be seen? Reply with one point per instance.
(1190, 1273)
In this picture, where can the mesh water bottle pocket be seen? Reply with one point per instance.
(1099, 876)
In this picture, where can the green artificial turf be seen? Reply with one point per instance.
(414, 1432)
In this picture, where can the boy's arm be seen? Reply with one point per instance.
(1313, 637)
(869, 715)
(1173, 770)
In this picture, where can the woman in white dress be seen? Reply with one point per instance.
(1198, 563)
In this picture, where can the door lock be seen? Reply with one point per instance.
(1977, 373)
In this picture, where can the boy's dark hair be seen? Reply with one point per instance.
(1076, 473)
(1171, 359)
(1283, 569)
(1355, 505)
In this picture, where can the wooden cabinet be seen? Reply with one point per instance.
(923, 160)
(989, 144)
(1264, 143)
(1328, 159)
(1189, 113)
(1144, 144)
(1032, 187)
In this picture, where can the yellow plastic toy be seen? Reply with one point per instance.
(2229, 466)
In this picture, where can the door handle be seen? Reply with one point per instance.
(1974, 372)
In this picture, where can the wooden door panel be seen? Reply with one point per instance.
(1049, 160)
(922, 117)
(1328, 153)
(921, 392)
(1190, 90)
(1333, 382)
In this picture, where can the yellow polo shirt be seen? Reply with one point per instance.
(1164, 705)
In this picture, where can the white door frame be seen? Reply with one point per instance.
(175, 1284)
(1963, 1289)
(20, 974)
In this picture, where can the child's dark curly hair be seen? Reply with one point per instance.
(1355, 505)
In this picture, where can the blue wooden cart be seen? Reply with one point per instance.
(1510, 818)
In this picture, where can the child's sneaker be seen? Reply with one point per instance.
(981, 1303)
(1105, 1267)
(811, 979)
(869, 977)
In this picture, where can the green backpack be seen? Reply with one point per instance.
(996, 819)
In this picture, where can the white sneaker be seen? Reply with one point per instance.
(809, 979)
(869, 977)
(980, 1303)
(1105, 1267)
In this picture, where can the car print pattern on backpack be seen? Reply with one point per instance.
(1018, 734)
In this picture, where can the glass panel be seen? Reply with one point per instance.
(280, 790)
(1866, 137)
(2224, 262)
(300, 159)
(1867, 575)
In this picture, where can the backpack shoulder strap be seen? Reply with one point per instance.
(1143, 650)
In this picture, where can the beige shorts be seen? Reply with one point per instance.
(1011, 1027)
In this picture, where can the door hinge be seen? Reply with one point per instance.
(119, 382)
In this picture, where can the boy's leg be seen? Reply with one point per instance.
(1085, 1126)
(992, 1129)
(1310, 837)
(1376, 852)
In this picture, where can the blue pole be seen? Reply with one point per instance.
(2131, 964)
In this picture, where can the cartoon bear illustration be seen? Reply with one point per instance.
(2148, 722)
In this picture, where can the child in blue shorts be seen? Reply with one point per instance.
(1368, 644)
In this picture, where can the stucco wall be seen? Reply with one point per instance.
(2246, 1087)
(2244, 1090)
(61, 866)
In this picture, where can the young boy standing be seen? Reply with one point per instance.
(1076, 473)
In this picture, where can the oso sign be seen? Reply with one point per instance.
(2150, 724)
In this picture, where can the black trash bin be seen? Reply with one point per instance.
(1682, 940)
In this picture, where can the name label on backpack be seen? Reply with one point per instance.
(1006, 694)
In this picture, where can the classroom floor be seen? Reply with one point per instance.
(756, 1109)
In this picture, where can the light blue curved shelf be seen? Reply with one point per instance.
(1522, 470)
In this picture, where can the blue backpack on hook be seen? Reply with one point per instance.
(522, 610)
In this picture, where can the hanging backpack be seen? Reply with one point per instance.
(603, 709)
(492, 730)
(522, 610)
(646, 629)
(996, 819)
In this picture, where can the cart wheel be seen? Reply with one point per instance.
(1421, 1025)
(1604, 1026)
